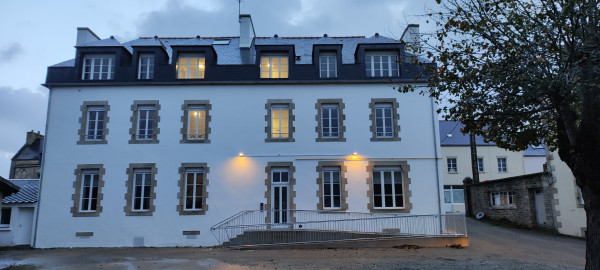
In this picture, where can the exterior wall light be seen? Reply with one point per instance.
(241, 154)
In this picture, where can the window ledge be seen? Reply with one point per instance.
(5, 229)
(453, 172)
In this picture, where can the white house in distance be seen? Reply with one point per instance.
(568, 203)
(493, 162)
(153, 141)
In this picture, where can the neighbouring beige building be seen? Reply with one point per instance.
(569, 214)
(493, 162)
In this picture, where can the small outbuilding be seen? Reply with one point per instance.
(18, 213)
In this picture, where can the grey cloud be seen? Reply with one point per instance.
(10, 52)
(286, 18)
(21, 110)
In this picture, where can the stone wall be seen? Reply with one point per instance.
(522, 211)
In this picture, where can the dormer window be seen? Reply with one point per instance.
(98, 67)
(274, 66)
(191, 66)
(328, 65)
(146, 67)
(382, 64)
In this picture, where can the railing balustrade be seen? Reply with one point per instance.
(264, 227)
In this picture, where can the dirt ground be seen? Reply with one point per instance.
(491, 247)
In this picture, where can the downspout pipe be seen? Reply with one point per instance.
(436, 144)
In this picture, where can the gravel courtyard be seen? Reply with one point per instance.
(491, 247)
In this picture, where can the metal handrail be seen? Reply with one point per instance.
(381, 225)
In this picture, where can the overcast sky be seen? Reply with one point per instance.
(37, 34)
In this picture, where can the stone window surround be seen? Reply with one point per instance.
(292, 129)
(129, 183)
(134, 121)
(76, 197)
(268, 192)
(405, 185)
(341, 118)
(455, 164)
(396, 118)
(83, 120)
(184, 120)
(182, 188)
(343, 184)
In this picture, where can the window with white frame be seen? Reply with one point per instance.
(194, 187)
(274, 66)
(145, 126)
(480, 165)
(98, 67)
(384, 127)
(89, 191)
(454, 194)
(330, 124)
(387, 188)
(280, 121)
(95, 123)
(501, 164)
(5, 217)
(142, 182)
(196, 123)
(504, 198)
(452, 168)
(332, 188)
(328, 65)
(146, 67)
(190, 66)
(382, 64)
(280, 183)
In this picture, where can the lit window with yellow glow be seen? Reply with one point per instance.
(191, 66)
(196, 123)
(280, 121)
(274, 67)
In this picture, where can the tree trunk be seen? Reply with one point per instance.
(592, 235)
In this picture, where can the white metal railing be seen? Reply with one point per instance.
(264, 227)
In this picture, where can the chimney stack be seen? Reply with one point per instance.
(85, 35)
(247, 33)
(411, 36)
(32, 136)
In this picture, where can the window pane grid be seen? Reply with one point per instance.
(274, 67)
(194, 186)
(501, 164)
(196, 123)
(280, 122)
(452, 168)
(146, 118)
(141, 190)
(95, 123)
(330, 121)
(146, 67)
(328, 66)
(331, 188)
(89, 191)
(98, 68)
(383, 121)
(191, 67)
(382, 65)
(387, 189)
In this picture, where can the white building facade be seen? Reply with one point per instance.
(153, 141)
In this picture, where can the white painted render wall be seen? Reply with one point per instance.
(13, 234)
(569, 214)
(514, 163)
(235, 184)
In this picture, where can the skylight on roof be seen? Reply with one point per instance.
(221, 42)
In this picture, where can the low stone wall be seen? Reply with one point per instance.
(522, 211)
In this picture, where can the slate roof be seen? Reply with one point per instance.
(28, 193)
(7, 187)
(456, 137)
(231, 54)
(459, 139)
(31, 152)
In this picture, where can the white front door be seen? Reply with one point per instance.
(24, 226)
(280, 195)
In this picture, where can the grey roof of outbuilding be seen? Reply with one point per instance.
(28, 192)
(450, 135)
(231, 54)
(534, 151)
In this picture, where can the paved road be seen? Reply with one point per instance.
(491, 247)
